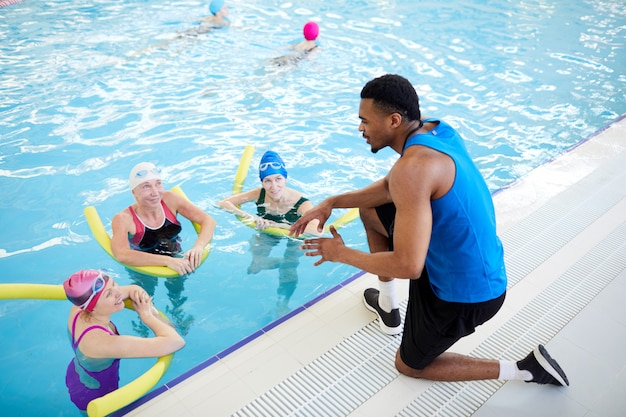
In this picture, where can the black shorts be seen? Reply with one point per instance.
(387, 215)
(432, 325)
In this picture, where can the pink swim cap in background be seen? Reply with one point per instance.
(311, 30)
(83, 288)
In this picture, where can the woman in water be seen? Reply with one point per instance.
(146, 233)
(98, 346)
(299, 51)
(277, 205)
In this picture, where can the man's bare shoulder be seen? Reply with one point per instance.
(417, 158)
(423, 167)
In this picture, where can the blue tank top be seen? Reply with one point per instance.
(465, 259)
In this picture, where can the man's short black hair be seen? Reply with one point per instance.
(394, 94)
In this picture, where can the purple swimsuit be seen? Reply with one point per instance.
(90, 378)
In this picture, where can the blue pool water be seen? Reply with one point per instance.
(88, 89)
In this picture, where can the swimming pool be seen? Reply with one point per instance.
(522, 82)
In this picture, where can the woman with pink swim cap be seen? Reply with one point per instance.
(98, 346)
(311, 31)
(308, 46)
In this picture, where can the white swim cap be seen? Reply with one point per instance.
(142, 172)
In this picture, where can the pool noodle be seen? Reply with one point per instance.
(121, 397)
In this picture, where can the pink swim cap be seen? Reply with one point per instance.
(311, 30)
(84, 288)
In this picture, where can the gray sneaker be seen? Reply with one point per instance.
(389, 322)
(544, 369)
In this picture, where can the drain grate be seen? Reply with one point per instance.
(337, 382)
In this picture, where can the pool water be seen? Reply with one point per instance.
(89, 89)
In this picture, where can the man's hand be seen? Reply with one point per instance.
(327, 248)
(320, 212)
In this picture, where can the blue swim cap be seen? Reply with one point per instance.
(271, 164)
(216, 6)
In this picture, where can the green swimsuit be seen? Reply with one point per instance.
(290, 217)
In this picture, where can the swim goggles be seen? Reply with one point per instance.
(273, 165)
(144, 172)
(98, 285)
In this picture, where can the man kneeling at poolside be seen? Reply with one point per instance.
(430, 220)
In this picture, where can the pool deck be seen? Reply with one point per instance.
(564, 231)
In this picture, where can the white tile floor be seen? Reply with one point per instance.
(590, 347)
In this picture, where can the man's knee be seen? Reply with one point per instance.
(368, 215)
(371, 221)
(405, 369)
